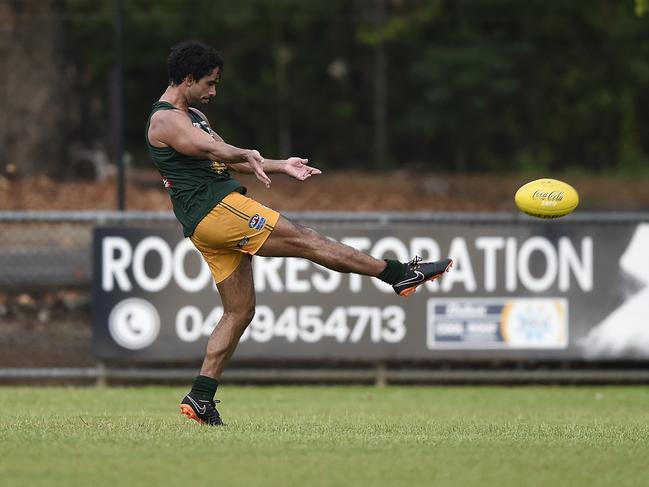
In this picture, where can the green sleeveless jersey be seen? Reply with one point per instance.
(195, 185)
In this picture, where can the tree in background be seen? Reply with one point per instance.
(479, 85)
(526, 85)
(33, 89)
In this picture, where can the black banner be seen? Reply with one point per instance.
(518, 290)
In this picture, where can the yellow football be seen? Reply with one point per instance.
(546, 198)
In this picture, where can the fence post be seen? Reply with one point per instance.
(102, 375)
(381, 377)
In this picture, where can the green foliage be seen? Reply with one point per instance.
(473, 85)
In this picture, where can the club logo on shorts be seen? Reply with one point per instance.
(257, 222)
(241, 243)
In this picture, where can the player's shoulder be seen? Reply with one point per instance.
(172, 117)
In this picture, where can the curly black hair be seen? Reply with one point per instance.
(191, 58)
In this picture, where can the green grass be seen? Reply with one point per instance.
(334, 436)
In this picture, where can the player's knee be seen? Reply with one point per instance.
(240, 315)
(248, 314)
(244, 314)
(308, 237)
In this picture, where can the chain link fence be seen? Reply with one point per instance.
(46, 306)
(41, 250)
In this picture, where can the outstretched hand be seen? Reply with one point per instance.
(299, 168)
(256, 162)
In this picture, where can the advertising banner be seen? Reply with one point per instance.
(519, 289)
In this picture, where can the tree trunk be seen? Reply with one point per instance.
(32, 88)
(381, 156)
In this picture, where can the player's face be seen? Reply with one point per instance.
(203, 90)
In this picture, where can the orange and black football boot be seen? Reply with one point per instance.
(200, 410)
(419, 272)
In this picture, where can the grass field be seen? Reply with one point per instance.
(342, 436)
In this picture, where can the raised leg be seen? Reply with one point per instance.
(293, 240)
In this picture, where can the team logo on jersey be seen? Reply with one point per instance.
(166, 182)
(257, 222)
(219, 167)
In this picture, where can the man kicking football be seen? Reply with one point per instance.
(227, 227)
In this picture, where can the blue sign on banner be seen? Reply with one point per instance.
(489, 323)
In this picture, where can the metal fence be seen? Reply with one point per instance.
(44, 249)
(53, 250)
(41, 248)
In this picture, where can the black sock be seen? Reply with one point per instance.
(204, 388)
(393, 272)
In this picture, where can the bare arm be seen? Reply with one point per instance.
(173, 128)
(293, 166)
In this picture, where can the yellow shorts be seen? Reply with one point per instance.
(237, 225)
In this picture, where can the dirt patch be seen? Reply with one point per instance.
(332, 191)
(45, 329)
